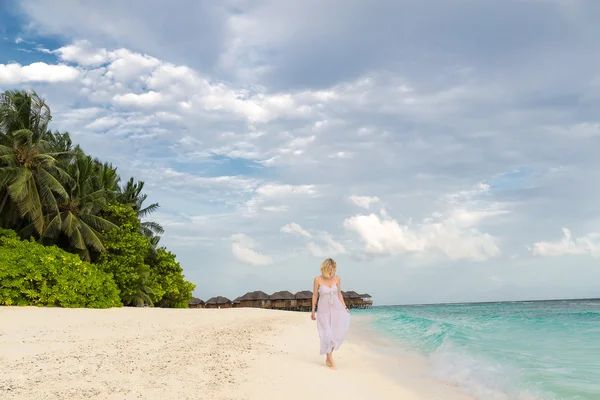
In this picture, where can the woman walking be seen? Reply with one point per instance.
(333, 317)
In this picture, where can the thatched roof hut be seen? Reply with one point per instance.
(304, 300)
(196, 303)
(283, 299)
(282, 295)
(351, 294)
(218, 302)
(258, 299)
(304, 295)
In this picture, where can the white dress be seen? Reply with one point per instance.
(333, 319)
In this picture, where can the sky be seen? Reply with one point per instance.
(439, 152)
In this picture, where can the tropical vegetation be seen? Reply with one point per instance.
(71, 234)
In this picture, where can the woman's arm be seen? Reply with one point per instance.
(315, 294)
(340, 296)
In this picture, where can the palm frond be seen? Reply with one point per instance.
(98, 223)
(153, 227)
(53, 227)
(77, 240)
(143, 213)
(70, 223)
(92, 238)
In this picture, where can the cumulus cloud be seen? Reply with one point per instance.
(242, 249)
(239, 126)
(12, 74)
(364, 201)
(455, 235)
(82, 52)
(589, 244)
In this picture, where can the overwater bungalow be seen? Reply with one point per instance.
(283, 300)
(352, 299)
(256, 299)
(304, 300)
(196, 303)
(367, 301)
(218, 302)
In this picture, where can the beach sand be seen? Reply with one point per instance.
(227, 354)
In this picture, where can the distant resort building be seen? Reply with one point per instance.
(196, 303)
(283, 300)
(218, 302)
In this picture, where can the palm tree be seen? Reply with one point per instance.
(131, 194)
(30, 177)
(77, 218)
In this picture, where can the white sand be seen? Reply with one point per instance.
(164, 354)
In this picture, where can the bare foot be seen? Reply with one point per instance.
(330, 363)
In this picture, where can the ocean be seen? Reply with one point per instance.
(540, 350)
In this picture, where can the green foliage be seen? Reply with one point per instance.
(53, 193)
(167, 274)
(125, 256)
(31, 274)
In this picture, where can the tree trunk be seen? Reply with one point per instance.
(3, 203)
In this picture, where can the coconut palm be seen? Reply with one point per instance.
(131, 194)
(77, 218)
(30, 177)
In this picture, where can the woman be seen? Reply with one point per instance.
(333, 317)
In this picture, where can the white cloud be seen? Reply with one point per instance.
(242, 249)
(148, 99)
(282, 190)
(127, 65)
(455, 236)
(294, 228)
(364, 201)
(212, 144)
(589, 244)
(83, 53)
(341, 154)
(12, 74)
(384, 235)
(328, 247)
(276, 197)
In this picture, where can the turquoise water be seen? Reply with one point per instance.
(521, 350)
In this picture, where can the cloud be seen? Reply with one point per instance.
(363, 201)
(589, 244)
(328, 247)
(294, 228)
(452, 233)
(242, 249)
(149, 99)
(83, 53)
(237, 125)
(13, 74)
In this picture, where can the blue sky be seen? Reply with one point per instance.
(439, 153)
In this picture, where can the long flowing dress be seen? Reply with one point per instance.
(333, 319)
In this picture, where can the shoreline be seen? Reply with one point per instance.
(131, 353)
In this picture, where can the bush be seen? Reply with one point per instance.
(125, 257)
(33, 274)
(175, 291)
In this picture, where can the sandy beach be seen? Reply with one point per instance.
(137, 353)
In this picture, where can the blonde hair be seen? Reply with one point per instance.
(326, 265)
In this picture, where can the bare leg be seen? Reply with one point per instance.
(329, 361)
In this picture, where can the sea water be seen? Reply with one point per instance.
(547, 350)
